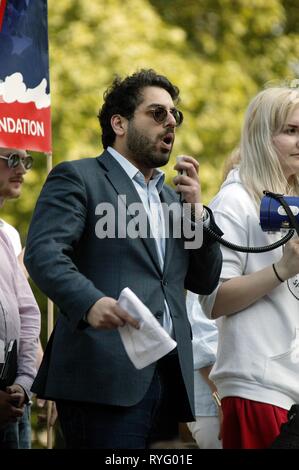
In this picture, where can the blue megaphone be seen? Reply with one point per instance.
(273, 216)
(277, 212)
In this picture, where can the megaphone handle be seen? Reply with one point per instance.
(182, 172)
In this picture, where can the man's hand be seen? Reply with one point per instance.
(106, 314)
(45, 407)
(9, 412)
(188, 184)
(17, 393)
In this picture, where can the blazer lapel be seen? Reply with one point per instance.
(124, 187)
(168, 199)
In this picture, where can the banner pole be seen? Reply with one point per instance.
(50, 325)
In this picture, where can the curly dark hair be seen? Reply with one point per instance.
(125, 95)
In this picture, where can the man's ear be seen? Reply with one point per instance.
(119, 124)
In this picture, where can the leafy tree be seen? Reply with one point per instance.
(242, 45)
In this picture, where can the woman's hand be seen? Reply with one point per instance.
(288, 266)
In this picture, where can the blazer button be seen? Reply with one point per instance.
(159, 314)
(164, 282)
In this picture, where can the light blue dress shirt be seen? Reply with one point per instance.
(149, 193)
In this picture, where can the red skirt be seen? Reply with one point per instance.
(249, 424)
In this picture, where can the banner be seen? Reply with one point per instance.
(25, 110)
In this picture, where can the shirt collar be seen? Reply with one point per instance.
(134, 174)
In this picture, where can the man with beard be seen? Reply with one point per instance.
(103, 401)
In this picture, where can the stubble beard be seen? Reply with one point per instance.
(144, 151)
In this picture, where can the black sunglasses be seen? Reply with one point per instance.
(14, 160)
(160, 114)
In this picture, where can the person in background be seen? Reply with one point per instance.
(102, 400)
(22, 428)
(23, 425)
(206, 429)
(19, 313)
(256, 303)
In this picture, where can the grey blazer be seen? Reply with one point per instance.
(74, 268)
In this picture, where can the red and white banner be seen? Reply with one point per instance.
(25, 109)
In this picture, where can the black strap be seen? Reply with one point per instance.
(280, 198)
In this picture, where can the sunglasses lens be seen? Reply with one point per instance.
(160, 114)
(178, 116)
(13, 160)
(28, 162)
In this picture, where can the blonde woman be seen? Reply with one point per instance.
(256, 303)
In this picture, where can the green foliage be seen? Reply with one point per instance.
(220, 53)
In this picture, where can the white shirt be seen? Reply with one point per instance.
(19, 313)
(149, 193)
(13, 235)
(258, 348)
